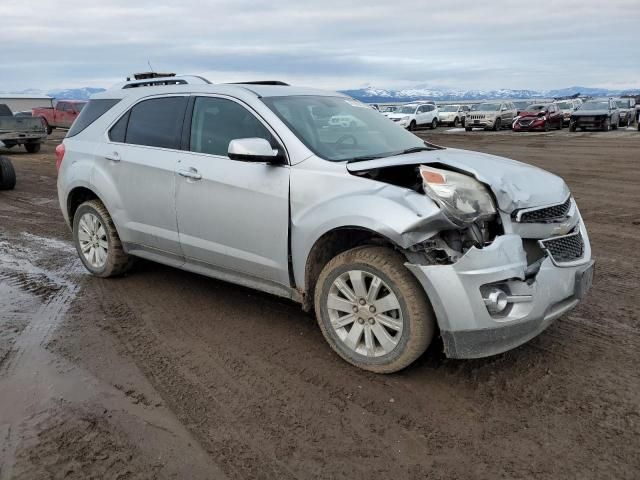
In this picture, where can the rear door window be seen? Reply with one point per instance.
(157, 122)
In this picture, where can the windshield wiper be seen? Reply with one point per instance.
(413, 150)
(364, 158)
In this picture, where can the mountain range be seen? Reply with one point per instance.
(370, 94)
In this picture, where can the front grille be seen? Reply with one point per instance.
(526, 123)
(553, 213)
(476, 117)
(565, 249)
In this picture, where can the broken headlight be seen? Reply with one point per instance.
(462, 198)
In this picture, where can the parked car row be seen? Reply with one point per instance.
(521, 115)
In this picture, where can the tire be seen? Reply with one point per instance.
(606, 126)
(116, 261)
(7, 174)
(413, 126)
(546, 126)
(497, 125)
(434, 124)
(32, 147)
(467, 129)
(456, 122)
(46, 125)
(9, 145)
(413, 321)
(560, 124)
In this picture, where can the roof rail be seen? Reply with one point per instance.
(261, 82)
(172, 80)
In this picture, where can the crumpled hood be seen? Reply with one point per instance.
(515, 185)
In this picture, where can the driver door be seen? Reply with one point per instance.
(232, 215)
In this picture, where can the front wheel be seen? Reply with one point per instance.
(434, 124)
(372, 311)
(456, 122)
(497, 125)
(467, 129)
(412, 126)
(97, 241)
(606, 126)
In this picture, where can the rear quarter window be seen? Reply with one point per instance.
(90, 113)
(157, 122)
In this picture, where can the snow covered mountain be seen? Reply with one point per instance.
(67, 94)
(371, 94)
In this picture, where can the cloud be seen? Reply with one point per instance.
(331, 44)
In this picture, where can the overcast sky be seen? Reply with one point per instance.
(333, 44)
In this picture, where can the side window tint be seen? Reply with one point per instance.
(90, 113)
(217, 121)
(157, 122)
(119, 131)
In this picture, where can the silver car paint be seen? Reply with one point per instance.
(324, 196)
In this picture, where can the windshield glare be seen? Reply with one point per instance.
(595, 106)
(536, 108)
(449, 108)
(487, 107)
(338, 128)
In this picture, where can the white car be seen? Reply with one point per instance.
(413, 115)
(567, 107)
(453, 115)
(344, 121)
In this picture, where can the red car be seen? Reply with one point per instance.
(62, 116)
(539, 116)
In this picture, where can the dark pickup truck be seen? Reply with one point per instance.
(27, 131)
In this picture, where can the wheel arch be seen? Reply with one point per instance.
(332, 243)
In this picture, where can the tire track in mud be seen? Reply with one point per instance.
(55, 289)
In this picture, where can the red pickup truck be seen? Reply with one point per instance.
(60, 116)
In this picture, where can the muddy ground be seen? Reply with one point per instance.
(167, 374)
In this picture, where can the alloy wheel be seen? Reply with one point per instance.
(365, 313)
(92, 238)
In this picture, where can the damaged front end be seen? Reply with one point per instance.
(498, 277)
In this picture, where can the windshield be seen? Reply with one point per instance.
(339, 128)
(449, 108)
(521, 105)
(595, 106)
(406, 109)
(623, 103)
(565, 106)
(536, 108)
(486, 107)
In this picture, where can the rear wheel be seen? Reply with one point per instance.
(7, 174)
(32, 147)
(97, 241)
(372, 311)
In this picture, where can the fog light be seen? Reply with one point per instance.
(496, 300)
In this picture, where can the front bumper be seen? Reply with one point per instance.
(534, 125)
(588, 122)
(468, 329)
(480, 123)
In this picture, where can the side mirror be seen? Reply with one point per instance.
(254, 150)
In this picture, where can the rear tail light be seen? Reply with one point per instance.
(59, 155)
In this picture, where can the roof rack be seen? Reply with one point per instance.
(172, 79)
(261, 82)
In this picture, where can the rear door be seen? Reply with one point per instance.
(139, 160)
(233, 215)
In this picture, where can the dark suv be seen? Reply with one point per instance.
(597, 114)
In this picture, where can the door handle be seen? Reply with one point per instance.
(192, 173)
(113, 157)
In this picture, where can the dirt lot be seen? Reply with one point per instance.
(166, 374)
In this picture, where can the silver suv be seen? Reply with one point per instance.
(491, 116)
(391, 240)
